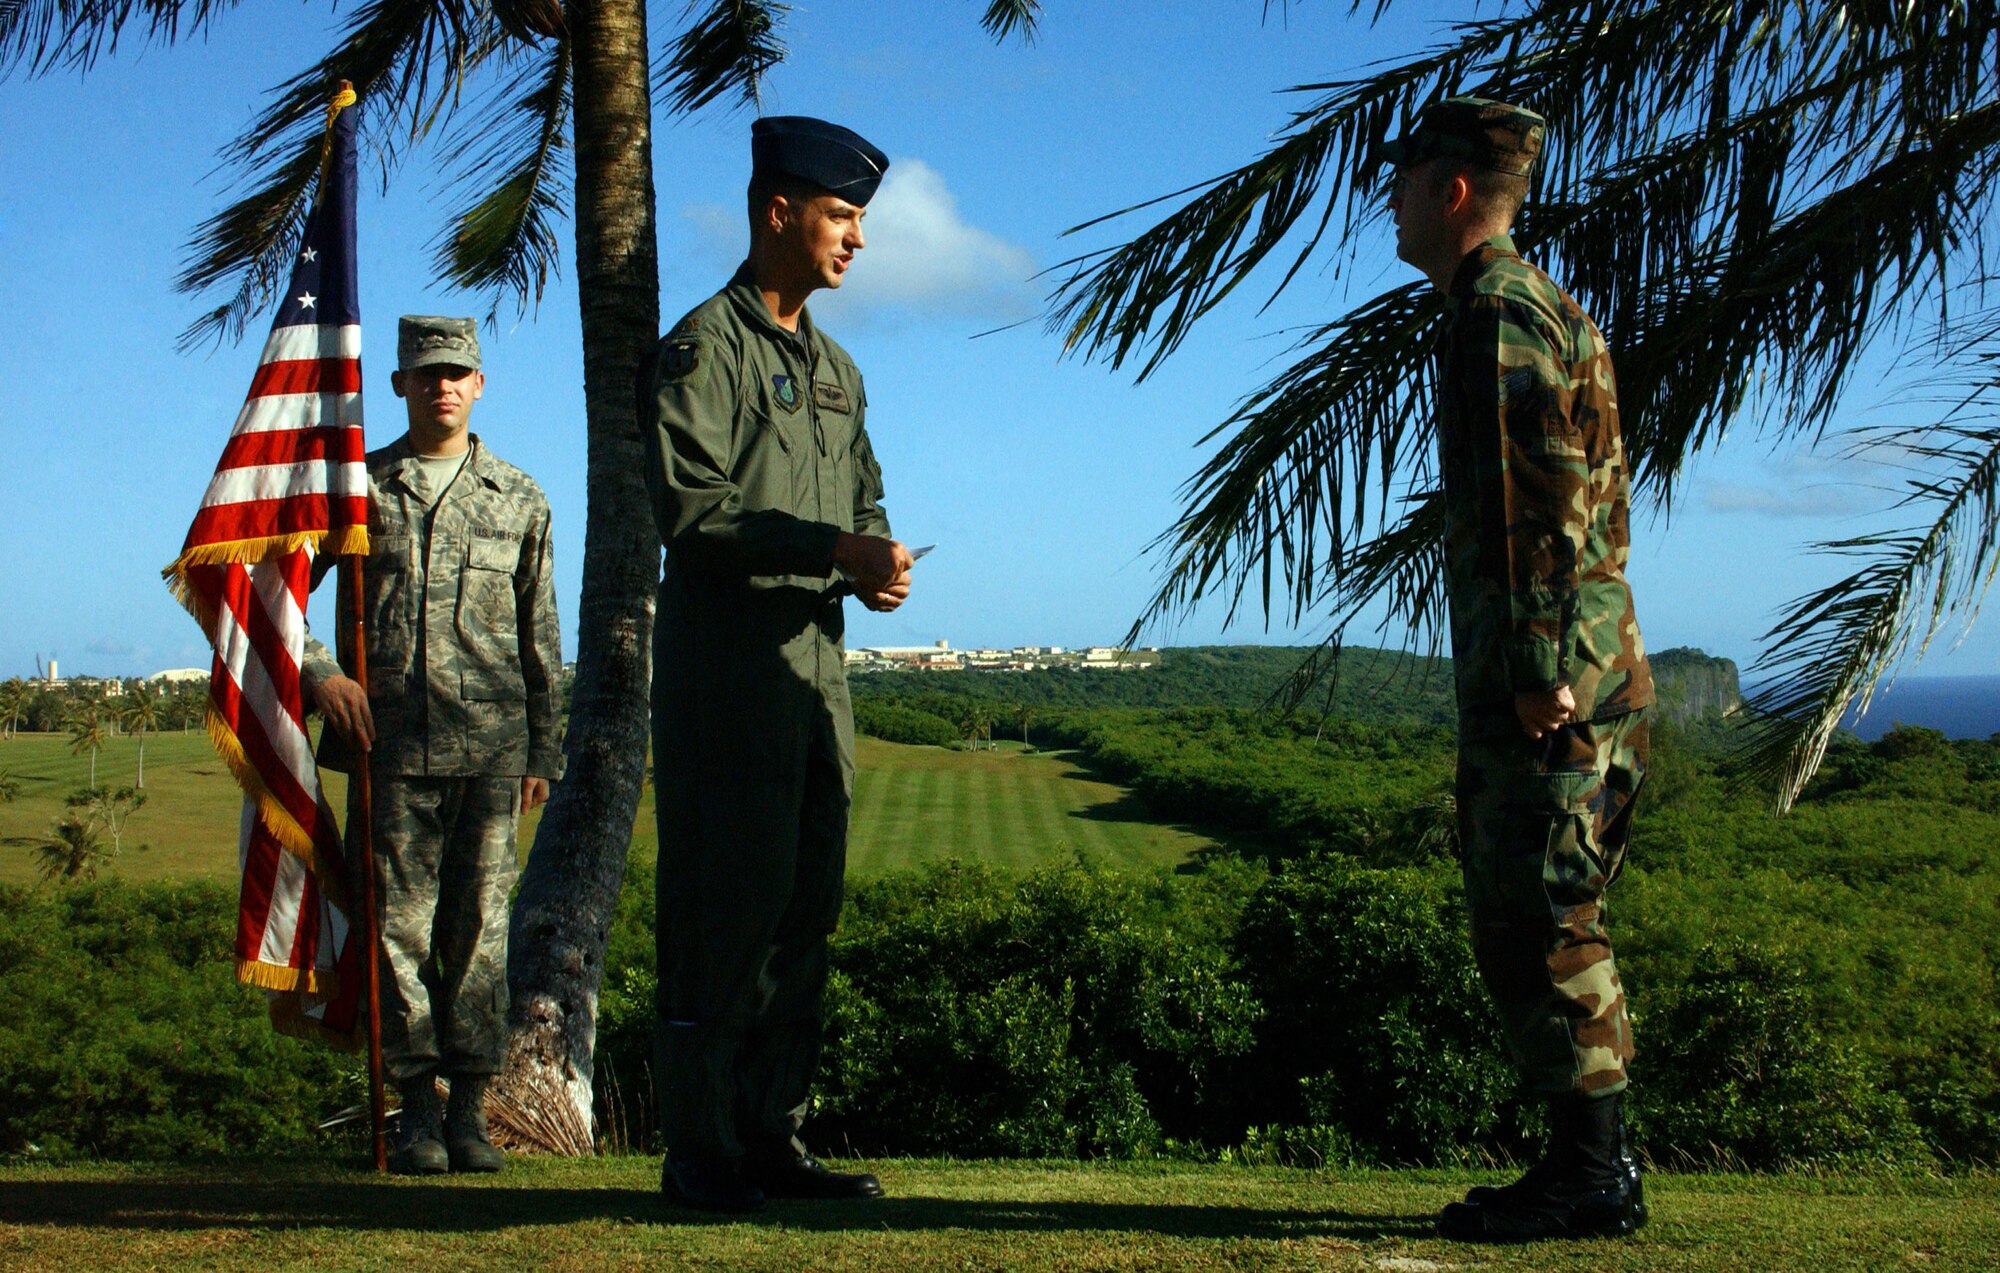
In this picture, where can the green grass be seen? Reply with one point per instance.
(1007, 806)
(594, 1214)
(911, 804)
(185, 830)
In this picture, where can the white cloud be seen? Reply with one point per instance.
(922, 254)
(1733, 497)
(1802, 484)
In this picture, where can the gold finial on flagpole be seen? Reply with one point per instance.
(343, 96)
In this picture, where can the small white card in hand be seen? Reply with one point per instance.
(915, 553)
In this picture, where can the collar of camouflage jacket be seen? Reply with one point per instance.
(1478, 260)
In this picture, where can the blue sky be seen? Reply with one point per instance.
(1042, 480)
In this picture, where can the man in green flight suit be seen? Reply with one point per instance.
(1551, 676)
(768, 499)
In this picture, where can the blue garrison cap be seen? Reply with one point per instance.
(838, 160)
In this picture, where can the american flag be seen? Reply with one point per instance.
(291, 484)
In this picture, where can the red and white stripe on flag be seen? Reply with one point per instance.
(291, 483)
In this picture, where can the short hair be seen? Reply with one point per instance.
(1496, 195)
(1500, 194)
(763, 185)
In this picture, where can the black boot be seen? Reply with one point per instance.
(792, 1172)
(1586, 1186)
(465, 1136)
(419, 1149)
(1543, 1171)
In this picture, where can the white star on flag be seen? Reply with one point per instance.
(310, 254)
(306, 300)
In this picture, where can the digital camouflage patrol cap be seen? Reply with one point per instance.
(1477, 130)
(838, 160)
(424, 340)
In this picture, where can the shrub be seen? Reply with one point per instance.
(897, 723)
(1739, 1070)
(1376, 1026)
(622, 1087)
(123, 1033)
(1078, 1012)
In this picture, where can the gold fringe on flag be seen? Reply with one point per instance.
(347, 541)
(271, 811)
(283, 978)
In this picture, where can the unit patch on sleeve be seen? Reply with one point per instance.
(680, 352)
(678, 358)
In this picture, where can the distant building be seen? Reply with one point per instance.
(940, 657)
(108, 686)
(180, 675)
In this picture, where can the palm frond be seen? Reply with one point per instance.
(408, 63)
(1793, 309)
(1012, 17)
(1287, 493)
(506, 242)
(726, 51)
(1746, 194)
(1834, 648)
(526, 20)
(50, 35)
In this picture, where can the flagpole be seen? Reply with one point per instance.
(363, 838)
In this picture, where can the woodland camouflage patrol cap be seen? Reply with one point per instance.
(1476, 130)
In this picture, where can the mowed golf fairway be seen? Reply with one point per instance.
(1009, 807)
(911, 805)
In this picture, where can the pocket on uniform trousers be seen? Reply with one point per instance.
(1546, 861)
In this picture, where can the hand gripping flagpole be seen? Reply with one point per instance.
(362, 834)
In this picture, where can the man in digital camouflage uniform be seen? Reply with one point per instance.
(1552, 681)
(768, 499)
(459, 722)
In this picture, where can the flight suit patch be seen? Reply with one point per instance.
(831, 396)
(678, 359)
(786, 390)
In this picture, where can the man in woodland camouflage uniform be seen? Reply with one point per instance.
(459, 723)
(1552, 681)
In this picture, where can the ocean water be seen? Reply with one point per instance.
(1960, 706)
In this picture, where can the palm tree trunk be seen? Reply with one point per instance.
(569, 891)
(141, 784)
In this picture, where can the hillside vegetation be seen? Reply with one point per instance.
(1194, 933)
